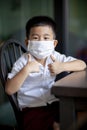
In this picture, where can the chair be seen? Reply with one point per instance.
(10, 51)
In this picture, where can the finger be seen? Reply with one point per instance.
(53, 58)
(29, 57)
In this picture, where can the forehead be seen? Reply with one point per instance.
(41, 30)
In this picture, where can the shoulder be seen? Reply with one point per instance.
(57, 55)
(21, 60)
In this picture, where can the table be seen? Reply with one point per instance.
(72, 93)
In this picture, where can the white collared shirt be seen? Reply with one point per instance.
(35, 91)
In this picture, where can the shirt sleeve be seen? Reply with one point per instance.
(18, 65)
(64, 58)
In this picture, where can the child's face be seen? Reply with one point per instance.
(41, 33)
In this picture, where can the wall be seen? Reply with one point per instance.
(15, 13)
(77, 26)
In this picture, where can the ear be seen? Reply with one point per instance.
(26, 41)
(55, 43)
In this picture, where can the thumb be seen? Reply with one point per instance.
(29, 57)
(53, 58)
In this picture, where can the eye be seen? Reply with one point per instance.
(46, 38)
(35, 38)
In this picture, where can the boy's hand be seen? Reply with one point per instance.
(56, 67)
(32, 65)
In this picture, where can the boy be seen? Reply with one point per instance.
(34, 73)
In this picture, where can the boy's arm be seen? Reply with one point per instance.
(14, 84)
(76, 65)
(58, 67)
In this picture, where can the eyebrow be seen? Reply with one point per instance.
(38, 34)
(47, 34)
(34, 34)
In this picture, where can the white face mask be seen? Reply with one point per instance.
(41, 49)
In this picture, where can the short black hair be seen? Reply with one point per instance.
(40, 21)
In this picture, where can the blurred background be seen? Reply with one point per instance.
(71, 19)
